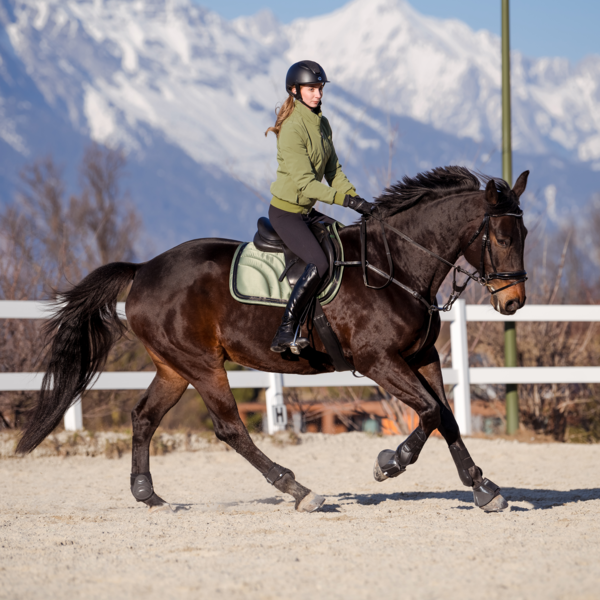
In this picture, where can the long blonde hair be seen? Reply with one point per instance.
(286, 109)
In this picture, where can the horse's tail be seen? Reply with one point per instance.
(80, 335)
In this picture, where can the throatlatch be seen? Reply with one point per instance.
(484, 492)
(394, 462)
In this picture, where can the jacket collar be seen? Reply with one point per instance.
(307, 114)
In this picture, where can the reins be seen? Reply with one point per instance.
(478, 276)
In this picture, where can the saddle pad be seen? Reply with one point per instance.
(254, 278)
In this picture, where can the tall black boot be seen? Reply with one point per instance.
(302, 294)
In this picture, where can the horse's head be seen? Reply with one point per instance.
(496, 247)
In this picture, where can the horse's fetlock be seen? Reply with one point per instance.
(277, 473)
(408, 451)
(141, 486)
(477, 475)
(392, 463)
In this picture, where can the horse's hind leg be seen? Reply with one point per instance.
(486, 494)
(216, 393)
(164, 392)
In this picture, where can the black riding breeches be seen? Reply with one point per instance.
(294, 230)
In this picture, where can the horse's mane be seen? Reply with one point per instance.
(438, 183)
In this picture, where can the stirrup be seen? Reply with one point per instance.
(298, 343)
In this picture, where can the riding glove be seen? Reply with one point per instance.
(358, 204)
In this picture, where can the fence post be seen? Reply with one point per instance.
(276, 410)
(460, 363)
(74, 417)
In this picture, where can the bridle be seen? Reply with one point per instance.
(479, 276)
(517, 276)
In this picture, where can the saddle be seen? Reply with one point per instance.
(267, 240)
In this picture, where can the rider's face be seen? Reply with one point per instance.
(311, 94)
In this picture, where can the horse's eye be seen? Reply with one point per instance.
(503, 242)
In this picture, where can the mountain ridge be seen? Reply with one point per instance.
(189, 95)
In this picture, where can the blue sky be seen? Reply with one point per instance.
(538, 27)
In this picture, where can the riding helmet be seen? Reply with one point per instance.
(304, 72)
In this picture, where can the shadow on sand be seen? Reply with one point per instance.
(540, 499)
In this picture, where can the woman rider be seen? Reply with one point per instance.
(305, 154)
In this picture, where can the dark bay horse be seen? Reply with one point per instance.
(181, 309)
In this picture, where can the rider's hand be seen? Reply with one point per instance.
(359, 204)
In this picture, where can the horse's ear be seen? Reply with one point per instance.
(521, 183)
(491, 193)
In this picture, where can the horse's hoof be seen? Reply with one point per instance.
(386, 465)
(378, 474)
(310, 503)
(497, 504)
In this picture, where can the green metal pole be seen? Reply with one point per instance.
(510, 332)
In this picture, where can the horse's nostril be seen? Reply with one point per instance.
(512, 306)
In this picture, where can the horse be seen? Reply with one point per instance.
(180, 307)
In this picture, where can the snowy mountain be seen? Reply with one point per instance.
(442, 73)
(189, 95)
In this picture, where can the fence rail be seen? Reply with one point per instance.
(461, 376)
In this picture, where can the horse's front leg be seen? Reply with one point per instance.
(486, 494)
(395, 376)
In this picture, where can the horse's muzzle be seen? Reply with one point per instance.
(510, 305)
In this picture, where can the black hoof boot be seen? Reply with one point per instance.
(143, 490)
(487, 496)
(301, 295)
(386, 466)
(391, 463)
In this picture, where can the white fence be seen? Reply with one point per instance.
(460, 375)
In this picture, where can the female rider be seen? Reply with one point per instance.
(305, 154)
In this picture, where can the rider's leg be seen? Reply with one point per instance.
(301, 295)
(294, 231)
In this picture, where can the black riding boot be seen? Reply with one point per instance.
(302, 294)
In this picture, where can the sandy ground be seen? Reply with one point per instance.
(70, 528)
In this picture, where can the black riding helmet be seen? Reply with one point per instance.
(304, 72)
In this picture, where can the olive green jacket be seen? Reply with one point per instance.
(305, 154)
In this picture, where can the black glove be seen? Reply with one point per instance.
(359, 204)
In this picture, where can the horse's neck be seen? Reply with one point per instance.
(437, 226)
